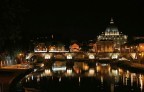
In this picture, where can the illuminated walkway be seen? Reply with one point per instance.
(17, 66)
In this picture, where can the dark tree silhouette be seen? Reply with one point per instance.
(11, 23)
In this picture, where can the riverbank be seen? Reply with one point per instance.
(10, 76)
(136, 67)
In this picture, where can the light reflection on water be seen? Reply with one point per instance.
(81, 76)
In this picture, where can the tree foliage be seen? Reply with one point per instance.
(11, 20)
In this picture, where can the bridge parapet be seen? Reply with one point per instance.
(66, 55)
(84, 55)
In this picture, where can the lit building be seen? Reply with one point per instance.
(139, 44)
(92, 46)
(59, 47)
(105, 46)
(41, 47)
(136, 45)
(74, 47)
(110, 40)
(141, 47)
(49, 45)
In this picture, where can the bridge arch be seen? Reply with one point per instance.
(58, 56)
(80, 55)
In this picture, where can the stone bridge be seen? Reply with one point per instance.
(85, 56)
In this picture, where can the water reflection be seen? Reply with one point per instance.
(82, 76)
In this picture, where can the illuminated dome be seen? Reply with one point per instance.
(112, 37)
(111, 29)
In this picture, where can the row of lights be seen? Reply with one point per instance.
(47, 56)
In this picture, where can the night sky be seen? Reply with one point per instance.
(80, 19)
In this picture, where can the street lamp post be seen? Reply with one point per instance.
(21, 57)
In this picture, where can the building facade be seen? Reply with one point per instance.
(111, 40)
(74, 47)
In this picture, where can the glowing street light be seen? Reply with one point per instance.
(21, 55)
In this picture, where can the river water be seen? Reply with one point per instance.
(81, 76)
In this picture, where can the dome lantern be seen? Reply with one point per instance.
(111, 29)
(111, 21)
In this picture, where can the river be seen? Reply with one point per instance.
(81, 76)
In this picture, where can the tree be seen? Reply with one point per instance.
(11, 20)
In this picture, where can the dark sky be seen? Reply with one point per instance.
(82, 19)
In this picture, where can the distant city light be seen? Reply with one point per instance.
(91, 71)
(91, 56)
(47, 56)
(58, 51)
(69, 56)
(58, 68)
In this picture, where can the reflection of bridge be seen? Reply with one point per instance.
(84, 55)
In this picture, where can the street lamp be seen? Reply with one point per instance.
(21, 57)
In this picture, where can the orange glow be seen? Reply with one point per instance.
(98, 68)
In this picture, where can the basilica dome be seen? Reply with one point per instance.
(111, 29)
